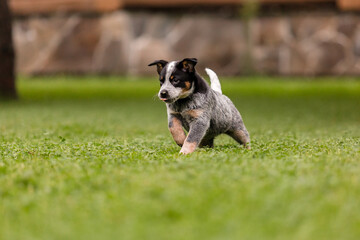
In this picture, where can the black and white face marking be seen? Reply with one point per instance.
(175, 83)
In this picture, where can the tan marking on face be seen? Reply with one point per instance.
(195, 113)
(185, 64)
(188, 147)
(172, 77)
(177, 132)
(187, 85)
(187, 88)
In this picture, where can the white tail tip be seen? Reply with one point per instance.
(215, 82)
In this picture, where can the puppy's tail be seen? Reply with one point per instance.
(215, 83)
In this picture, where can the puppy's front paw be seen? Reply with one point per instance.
(188, 148)
(183, 152)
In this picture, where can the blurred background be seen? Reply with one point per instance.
(85, 151)
(234, 37)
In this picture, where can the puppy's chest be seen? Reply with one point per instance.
(189, 115)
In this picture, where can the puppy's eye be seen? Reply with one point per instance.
(175, 81)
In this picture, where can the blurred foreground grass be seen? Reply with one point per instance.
(91, 158)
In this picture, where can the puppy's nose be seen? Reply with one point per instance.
(164, 94)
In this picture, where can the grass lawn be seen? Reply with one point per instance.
(91, 158)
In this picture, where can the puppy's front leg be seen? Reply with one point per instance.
(176, 129)
(197, 132)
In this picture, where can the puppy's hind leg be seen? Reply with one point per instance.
(241, 136)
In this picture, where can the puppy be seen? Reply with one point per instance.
(203, 111)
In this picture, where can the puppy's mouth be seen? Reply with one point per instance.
(167, 100)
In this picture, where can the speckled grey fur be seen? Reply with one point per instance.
(193, 105)
(219, 116)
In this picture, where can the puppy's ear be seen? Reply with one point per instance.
(159, 64)
(187, 65)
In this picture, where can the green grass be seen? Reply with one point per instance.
(91, 158)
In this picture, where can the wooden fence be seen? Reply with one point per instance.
(26, 7)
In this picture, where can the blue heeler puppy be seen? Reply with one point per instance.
(203, 111)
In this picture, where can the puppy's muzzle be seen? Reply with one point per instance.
(164, 95)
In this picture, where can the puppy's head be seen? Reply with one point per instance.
(176, 79)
